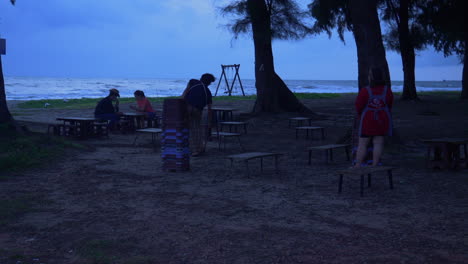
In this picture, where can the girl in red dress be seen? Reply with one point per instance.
(373, 105)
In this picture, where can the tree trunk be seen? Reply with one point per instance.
(5, 116)
(272, 93)
(464, 93)
(368, 37)
(408, 56)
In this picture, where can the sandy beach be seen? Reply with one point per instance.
(112, 203)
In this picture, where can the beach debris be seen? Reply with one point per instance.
(46, 105)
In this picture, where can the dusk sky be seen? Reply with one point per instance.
(168, 39)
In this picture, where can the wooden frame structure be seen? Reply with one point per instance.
(230, 86)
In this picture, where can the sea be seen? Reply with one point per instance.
(37, 88)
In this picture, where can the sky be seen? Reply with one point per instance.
(169, 39)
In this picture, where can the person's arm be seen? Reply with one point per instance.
(361, 100)
(116, 105)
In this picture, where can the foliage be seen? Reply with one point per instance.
(329, 15)
(445, 19)
(287, 19)
(419, 35)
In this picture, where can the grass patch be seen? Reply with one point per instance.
(25, 151)
(91, 102)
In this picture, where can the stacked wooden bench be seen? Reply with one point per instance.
(365, 171)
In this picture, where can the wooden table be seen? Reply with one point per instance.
(445, 152)
(311, 129)
(369, 170)
(235, 124)
(222, 114)
(245, 157)
(329, 151)
(136, 119)
(299, 120)
(153, 131)
(82, 127)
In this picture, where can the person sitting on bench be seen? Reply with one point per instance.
(143, 105)
(105, 110)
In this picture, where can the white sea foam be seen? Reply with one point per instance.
(29, 88)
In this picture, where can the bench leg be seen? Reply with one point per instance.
(347, 153)
(362, 185)
(247, 168)
(369, 180)
(134, 141)
(261, 164)
(240, 144)
(331, 155)
(310, 157)
(340, 183)
(296, 132)
(323, 133)
(390, 178)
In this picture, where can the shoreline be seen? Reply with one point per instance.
(238, 97)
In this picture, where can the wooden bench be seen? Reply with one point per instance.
(245, 157)
(329, 151)
(232, 124)
(311, 129)
(101, 128)
(363, 171)
(153, 131)
(445, 152)
(299, 120)
(221, 136)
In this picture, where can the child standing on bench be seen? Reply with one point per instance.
(373, 105)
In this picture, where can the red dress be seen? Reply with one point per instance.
(374, 110)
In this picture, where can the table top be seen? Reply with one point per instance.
(222, 109)
(365, 170)
(76, 119)
(233, 123)
(309, 127)
(300, 118)
(133, 114)
(251, 155)
(446, 140)
(150, 130)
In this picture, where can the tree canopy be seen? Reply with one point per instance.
(287, 19)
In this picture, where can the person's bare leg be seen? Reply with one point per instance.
(378, 149)
(361, 151)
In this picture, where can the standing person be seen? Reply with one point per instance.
(374, 104)
(107, 111)
(197, 96)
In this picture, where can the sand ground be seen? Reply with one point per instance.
(114, 204)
